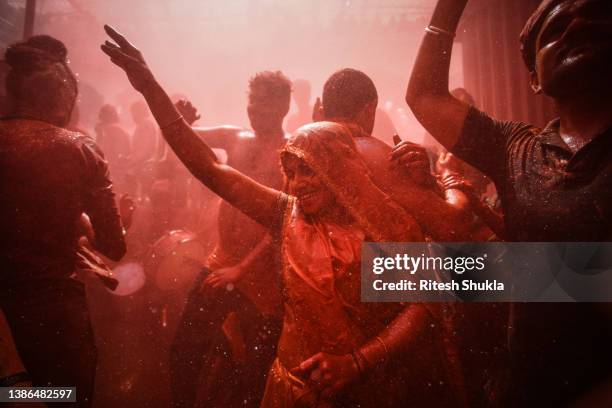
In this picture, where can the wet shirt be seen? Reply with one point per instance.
(49, 176)
(548, 193)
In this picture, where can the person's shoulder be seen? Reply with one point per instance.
(476, 116)
(370, 146)
(222, 131)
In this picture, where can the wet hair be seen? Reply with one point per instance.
(347, 92)
(529, 34)
(39, 77)
(273, 84)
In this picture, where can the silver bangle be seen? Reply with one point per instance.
(180, 117)
(380, 340)
(437, 31)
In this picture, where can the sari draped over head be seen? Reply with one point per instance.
(329, 150)
(321, 263)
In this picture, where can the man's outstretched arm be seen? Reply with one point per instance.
(217, 137)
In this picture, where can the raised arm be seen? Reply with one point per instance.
(257, 201)
(428, 93)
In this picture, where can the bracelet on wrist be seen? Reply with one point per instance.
(356, 361)
(384, 345)
(360, 361)
(439, 31)
(178, 119)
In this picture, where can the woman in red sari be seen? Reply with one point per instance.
(334, 350)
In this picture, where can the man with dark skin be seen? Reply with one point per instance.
(350, 97)
(243, 247)
(50, 177)
(554, 183)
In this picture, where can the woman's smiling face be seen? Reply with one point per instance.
(312, 194)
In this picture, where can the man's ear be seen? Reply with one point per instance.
(534, 81)
(366, 116)
(371, 106)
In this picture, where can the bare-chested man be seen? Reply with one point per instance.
(242, 246)
(350, 97)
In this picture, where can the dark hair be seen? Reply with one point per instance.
(530, 31)
(274, 84)
(39, 76)
(346, 92)
(108, 114)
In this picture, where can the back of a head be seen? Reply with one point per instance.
(39, 83)
(347, 92)
(108, 114)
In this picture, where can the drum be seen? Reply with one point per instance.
(175, 260)
(131, 278)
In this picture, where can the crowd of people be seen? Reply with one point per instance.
(271, 314)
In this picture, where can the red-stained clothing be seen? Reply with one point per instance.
(49, 176)
(322, 281)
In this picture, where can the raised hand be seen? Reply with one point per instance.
(189, 112)
(448, 163)
(129, 58)
(410, 155)
(414, 159)
(454, 181)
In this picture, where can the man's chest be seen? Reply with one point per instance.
(260, 163)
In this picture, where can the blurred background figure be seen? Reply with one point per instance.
(115, 143)
(303, 113)
(144, 147)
